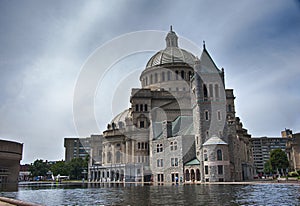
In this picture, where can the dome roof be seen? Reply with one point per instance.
(122, 116)
(171, 55)
(214, 140)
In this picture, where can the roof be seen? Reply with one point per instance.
(207, 63)
(214, 140)
(182, 125)
(193, 162)
(122, 116)
(172, 53)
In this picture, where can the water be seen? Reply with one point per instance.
(130, 194)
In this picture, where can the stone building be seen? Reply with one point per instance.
(10, 157)
(181, 125)
(292, 149)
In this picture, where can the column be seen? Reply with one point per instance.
(132, 148)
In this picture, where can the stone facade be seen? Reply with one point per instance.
(181, 126)
(293, 150)
(10, 157)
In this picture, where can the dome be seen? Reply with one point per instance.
(122, 116)
(171, 55)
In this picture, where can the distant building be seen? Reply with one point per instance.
(10, 157)
(82, 147)
(293, 150)
(262, 147)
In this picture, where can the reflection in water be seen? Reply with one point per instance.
(130, 194)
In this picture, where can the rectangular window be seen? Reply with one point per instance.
(174, 162)
(220, 169)
(219, 115)
(160, 162)
(206, 169)
(160, 177)
(142, 124)
(205, 157)
(206, 115)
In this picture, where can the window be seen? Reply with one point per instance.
(169, 75)
(211, 92)
(142, 124)
(182, 74)
(205, 93)
(142, 145)
(136, 107)
(118, 157)
(173, 145)
(190, 75)
(217, 91)
(146, 107)
(206, 115)
(219, 155)
(146, 80)
(163, 76)
(219, 115)
(220, 169)
(159, 148)
(207, 133)
(174, 162)
(155, 78)
(109, 157)
(205, 157)
(141, 107)
(146, 145)
(229, 108)
(206, 169)
(160, 177)
(160, 162)
(139, 145)
(151, 79)
(176, 75)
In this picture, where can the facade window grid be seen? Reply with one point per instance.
(159, 148)
(174, 162)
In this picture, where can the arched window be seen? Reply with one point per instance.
(139, 145)
(146, 107)
(163, 76)
(141, 107)
(155, 78)
(146, 81)
(109, 157)
(176, 75)
(136, 107)
(219, 155)
(205, 93)
(211, 91)
(169, 75)
(118, 157)
(151, 79)
(182, 74)
(217, 95)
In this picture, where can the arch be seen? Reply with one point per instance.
(192, 175)
(190, 75)
(176, 75)
(197, 175)
(122, 175)
(117, 175)
(187, 175)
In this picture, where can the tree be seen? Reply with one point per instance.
(77, 166)
(278, 160)
(39, 168)
(268, 167)
(60, 167)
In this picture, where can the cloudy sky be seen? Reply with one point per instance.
(45, 46)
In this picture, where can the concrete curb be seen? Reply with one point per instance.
(16, 202)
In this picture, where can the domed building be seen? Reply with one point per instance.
(181, 126)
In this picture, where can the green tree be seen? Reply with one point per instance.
(39, 168)
(278, 160)
(77, 166)
(268, 168)
(60, 167)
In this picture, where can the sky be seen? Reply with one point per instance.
(46, 46)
